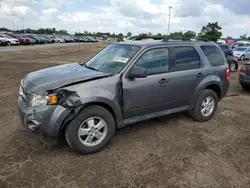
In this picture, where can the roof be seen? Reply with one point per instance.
(147, 43)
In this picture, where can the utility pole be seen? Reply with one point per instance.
(126, 30)
(13, 24)
(170, 7)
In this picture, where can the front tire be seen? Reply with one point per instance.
(206, 106)
(91, 130)
(242, 57)
(8, 43)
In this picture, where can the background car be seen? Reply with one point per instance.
(33, 41)
(9, 40)
(2, 42)
(244, 77)
(242, 53)
(24, 41)
(57, 39)
(226, 49)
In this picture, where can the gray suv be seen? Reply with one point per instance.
(125, 83)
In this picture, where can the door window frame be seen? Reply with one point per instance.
(145, 51)
(201, 64)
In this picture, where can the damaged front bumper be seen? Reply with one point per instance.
(46, 120)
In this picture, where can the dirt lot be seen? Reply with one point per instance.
(169, 152)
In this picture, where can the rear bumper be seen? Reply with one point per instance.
(244, 79)
(46, 120)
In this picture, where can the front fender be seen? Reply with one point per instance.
(114, 106)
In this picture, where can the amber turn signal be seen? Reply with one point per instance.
(52, 99)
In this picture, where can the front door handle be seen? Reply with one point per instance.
(163, 81)
(199, 75)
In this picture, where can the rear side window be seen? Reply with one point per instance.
(213, 55)
(186, 58)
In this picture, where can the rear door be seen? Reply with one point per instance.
(186, 73)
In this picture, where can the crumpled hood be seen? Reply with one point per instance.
(59, 76)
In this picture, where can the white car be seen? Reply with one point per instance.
(57, 39)
(242, 53)
(9, 40)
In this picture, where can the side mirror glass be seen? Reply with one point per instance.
(138, 72)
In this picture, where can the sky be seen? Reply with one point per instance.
(121, 16)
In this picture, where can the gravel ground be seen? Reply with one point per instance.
(173, 151)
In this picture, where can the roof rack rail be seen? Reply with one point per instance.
(168, 39)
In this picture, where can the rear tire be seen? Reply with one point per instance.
(204, 110)
(84, 133)
(232, 67)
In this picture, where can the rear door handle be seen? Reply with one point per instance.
(199, 75)
(163, 81)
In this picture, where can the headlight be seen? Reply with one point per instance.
(38, 100)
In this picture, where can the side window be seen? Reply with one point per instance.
(186, 58)
(213, 55)
(154, 61)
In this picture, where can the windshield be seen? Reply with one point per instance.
(240, 49)
(224, 47)
(112, 59)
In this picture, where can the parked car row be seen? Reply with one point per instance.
(8, 39)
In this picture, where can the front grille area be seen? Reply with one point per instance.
(23, 94)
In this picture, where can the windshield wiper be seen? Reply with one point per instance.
(91, 68)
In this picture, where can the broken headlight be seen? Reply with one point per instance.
(38, 100)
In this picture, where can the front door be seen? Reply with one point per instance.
(147, 95)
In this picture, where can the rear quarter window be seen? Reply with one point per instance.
(213, 55)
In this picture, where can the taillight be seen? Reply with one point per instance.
(243, 69)
(227, 74)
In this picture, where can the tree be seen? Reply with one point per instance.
(211, 31)
(4, 29)
(85, 32)
(129, 34)
(176, 34)
(189, 34)
(243, 37)
(120, 34)
(149, 34)
(228, 37)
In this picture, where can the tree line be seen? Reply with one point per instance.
(212, 31)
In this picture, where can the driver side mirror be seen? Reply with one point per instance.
(138, 72)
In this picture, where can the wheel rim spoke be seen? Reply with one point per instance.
(100, 125)
(91, 123)
(99, 135)
(83, 131)
(89, 139)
